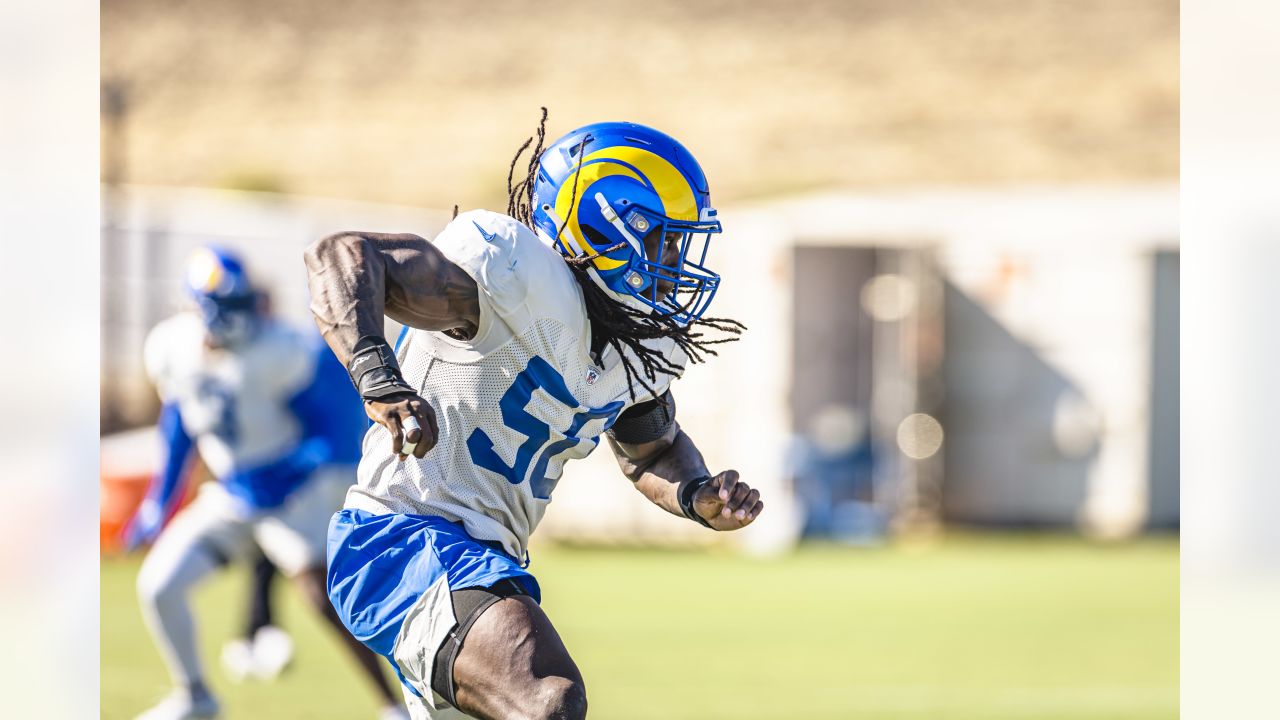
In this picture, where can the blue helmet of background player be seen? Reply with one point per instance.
(228, 304)
(619, 189)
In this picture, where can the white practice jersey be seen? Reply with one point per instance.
(234, 404)
(514, 404)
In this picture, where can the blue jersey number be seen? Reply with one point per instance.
(536, 450)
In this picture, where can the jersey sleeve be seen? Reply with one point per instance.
(153, 359)
(519, 278)
(161, 353)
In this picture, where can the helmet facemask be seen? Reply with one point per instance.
(228, 321)
(668, 277)
(666, 266)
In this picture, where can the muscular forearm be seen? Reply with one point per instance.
(347, 279)
(356, 278)
(660, 477)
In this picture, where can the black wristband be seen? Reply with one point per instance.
(685, 497)
(374, 370)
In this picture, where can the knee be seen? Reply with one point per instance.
(560, 699)
(156, 587)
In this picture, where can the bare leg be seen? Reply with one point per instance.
(513, 665)
(312, 584)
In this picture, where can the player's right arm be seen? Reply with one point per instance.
(355, 279)
(177, 446)
(167, 485)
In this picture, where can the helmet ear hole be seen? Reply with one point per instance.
(595, 237)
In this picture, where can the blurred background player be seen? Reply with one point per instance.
(264, 649)
(269, 411)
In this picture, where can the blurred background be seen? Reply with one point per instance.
(951, 227)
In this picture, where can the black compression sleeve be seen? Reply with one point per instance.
(645, 422)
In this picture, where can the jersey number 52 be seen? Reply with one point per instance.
(537, 450)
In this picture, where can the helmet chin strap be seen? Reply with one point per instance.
(627, 299)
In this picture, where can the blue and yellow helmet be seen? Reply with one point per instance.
(216, 280)
(636, 197)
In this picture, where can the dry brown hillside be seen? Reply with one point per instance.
(422, 102)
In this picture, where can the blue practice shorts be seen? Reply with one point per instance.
(390, 579)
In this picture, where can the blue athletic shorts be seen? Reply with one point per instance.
(383, 568)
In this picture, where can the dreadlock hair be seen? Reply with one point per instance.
(613, 323)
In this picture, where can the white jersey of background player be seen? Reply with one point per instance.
(524, 352)
(273, 418)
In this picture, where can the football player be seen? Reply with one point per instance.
(528, 336)
(259, 402)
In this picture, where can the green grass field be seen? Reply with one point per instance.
(974, 627)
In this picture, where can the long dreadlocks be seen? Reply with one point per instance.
(613, 323)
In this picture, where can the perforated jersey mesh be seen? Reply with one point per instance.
(466, 396)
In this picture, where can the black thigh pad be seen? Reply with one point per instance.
(645, 422)
(468, 605)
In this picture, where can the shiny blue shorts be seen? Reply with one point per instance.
(381, 565)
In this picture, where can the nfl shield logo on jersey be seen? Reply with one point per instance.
(592, 376)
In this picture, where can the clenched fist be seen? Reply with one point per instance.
(410, 420)
(727, 503)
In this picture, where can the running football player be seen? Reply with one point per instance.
(528, 336)
(255, 399)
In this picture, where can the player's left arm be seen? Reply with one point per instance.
(665, 465)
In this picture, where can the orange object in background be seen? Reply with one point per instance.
(121, 495)
(128, 462)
